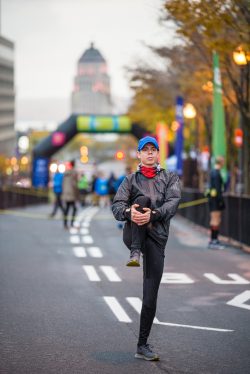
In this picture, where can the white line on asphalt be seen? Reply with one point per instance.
(73, 230)
(193, 327)
(117, 309)
(110, 273)
(95, 252)
(91, 273)
(74, 239)
(240, 300)
(176, 278)
(237, 279)
(87, 239)
(84, 231)
(79, 252)
(136, 303)
(85, 224)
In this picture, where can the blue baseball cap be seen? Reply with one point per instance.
(146, 140)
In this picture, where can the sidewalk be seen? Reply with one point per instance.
(198, 236)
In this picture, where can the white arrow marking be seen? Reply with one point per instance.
(110, 273)
(91, 273)
(240, 300)
(237, 279)
(176, 278)
(79, 252)
(117, 309)
(136, 304)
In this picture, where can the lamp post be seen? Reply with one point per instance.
(241, 59)
(189, 112)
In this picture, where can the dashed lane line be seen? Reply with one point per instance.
(79, 252)
(87, 239)
(110, 273)
(91, 273)
(95, 252)
(117, 309)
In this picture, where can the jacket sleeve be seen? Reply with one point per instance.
(172, 199)
(121, 201)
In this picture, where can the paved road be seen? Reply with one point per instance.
(70, 305)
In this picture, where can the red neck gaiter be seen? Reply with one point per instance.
(148, 172)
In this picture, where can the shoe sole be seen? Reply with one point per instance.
(138, 355)
(133, 263)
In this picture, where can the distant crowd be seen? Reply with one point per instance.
(70, 187)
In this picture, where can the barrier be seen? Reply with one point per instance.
(235, 218)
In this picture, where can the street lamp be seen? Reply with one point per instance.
(241, 58)
(189, 112)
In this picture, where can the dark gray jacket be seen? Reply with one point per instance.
(164, 192)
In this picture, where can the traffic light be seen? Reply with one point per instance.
(238, 137)
(119, 155)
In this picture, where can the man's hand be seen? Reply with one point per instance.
(138, 217)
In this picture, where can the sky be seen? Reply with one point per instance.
(51, 35)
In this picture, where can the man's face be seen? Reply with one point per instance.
(148, 155)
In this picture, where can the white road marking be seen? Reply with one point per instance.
(91, 273)
(240, 300)
(74, 239)
(84, 231)
(79, 252)
(180, 278)
(237, 279)
(193, 327)
(73, 230)
(85, 224)
(136, 303)
(117, 309)
(95, 252)
(110, 273)
(87, 239)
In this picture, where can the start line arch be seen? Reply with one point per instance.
(76, 124)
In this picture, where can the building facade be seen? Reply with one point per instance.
(91, 92)
(7, 97)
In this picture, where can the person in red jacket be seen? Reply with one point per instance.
(146, 200)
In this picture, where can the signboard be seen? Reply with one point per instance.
(40, 174)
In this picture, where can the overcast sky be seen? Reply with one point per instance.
(51, 35)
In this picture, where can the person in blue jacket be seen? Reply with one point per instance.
(57, 189)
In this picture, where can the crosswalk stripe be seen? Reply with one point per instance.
(95, 252)
(117, 309)
(91, 273)
(74, 239)
(79, 252)
(87, 239)
(110, 273)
